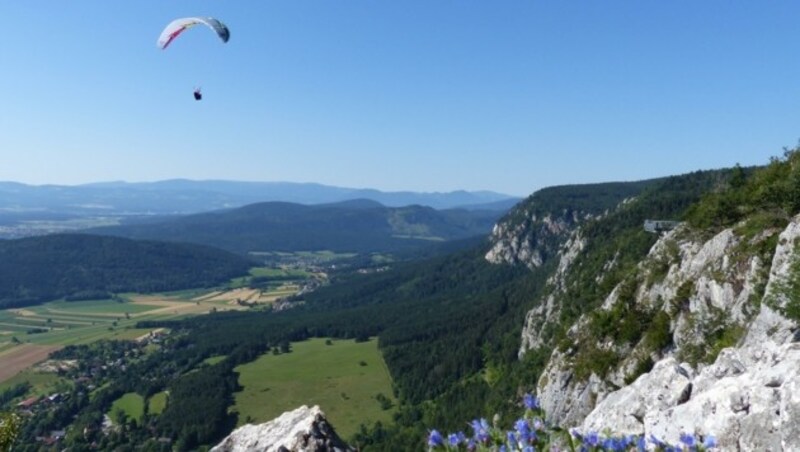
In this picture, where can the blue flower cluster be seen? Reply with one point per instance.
(530, 434)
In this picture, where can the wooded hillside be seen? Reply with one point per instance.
(77, 266)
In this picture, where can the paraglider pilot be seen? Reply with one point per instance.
(197, 94)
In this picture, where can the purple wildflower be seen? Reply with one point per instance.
(435, 439)
(592, 439)
(538, 424)
(710, 442)
(481, 429)
(522, 426)
(688, 440)
(471, 444)
(614, 444)
(511, 439)
(524, 433)
(641, 444)
(531, 402)
(453, 439)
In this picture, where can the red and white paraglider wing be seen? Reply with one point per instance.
(178, 26)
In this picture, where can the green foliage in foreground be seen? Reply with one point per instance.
(9, 430)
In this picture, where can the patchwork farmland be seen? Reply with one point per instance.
(29, 334)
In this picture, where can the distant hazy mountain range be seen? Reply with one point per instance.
(187, 196)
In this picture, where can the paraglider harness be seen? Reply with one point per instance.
(197, 94)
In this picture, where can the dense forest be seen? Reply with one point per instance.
(360, 226)
(79, 266)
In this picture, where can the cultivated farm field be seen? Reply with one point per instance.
(19, 358)
(28, 335)
(343, 379)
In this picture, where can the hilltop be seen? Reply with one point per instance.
(356, 226)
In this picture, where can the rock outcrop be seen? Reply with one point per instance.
(548, 308)
(303, 430)
(748, 398)
(530, 239)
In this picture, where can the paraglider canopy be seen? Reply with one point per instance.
(178, 26)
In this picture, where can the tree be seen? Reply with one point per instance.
(120, 417)
(9, 429)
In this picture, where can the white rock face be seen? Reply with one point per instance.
(566, 400)
(664, 388)
(548, 308)
(304, 429)
(721, 291)
(528, 242)
(749, 398)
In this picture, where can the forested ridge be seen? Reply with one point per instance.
(80, 266)
(355, 226)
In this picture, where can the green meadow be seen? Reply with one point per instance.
(212, 360)
(343, 379)
(270, 272)
(98, 306)
(42, 383)
(157, 403)
(132, 404)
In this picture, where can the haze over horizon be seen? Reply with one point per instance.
(275, 182)
(417, 96)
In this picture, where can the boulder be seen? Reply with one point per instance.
(302, 430)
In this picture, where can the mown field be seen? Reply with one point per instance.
(157, 403)
(132, 404)
(42, 383)
(343, 379)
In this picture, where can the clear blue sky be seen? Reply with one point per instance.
(421, 95)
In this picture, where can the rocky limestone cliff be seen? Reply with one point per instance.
(547, 309)
(749, 398)
(530, 239)
(714, 293)
(304, 429)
